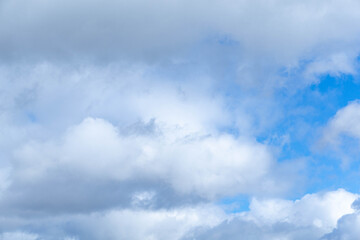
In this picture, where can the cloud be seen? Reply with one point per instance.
(341, 134)
(138, 224)
(96, 158)
(18, 236)
(335, 65)
(346, 122)
(129, 135)
(265, 36)
(347, 226)
(314, 216)
(146, 225)
(133, 120)
(307, 218)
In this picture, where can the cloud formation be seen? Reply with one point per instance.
(307, 218)
(152, 120)
(96, 158)
(342, 133)
(346, 122)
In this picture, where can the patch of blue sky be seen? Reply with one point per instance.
(219, 38)
(235, 204)
(31, 117)
(312, 107)
(325, 173)
(307, 111)
(325, 168)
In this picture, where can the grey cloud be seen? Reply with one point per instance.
(356, 204)
(280, 34)
(281, 219)
(95, 28)
(239, 229)
(63, 192)
(115, 224)
(347, 226)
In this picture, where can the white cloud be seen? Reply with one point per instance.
(326, 215)
(346, 122)
(307, 218)
(321, 210)
(89, 130)
(208, 166)
(348, 228)
(150, 225)
(341, 135)
(120, 118)
(335, 65)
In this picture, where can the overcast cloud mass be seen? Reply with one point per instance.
(179, 120)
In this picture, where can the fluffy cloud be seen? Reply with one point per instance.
(346, 122)
(327, 215)
(347, 229)
(131, 119)
(150, 147)
(307, 218)
(94, 156)
(128, 135)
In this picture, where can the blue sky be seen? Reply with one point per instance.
(179, 120)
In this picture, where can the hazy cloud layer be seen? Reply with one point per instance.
(158, 28)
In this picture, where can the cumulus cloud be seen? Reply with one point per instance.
(134, 119)
(307, 218)
(348, 228)
(315, 216)
(83, 141)
(95, 152)
(129, 135)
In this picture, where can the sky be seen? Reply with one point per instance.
(179, 120)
